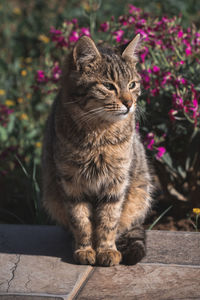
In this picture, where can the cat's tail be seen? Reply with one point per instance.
(132, 245)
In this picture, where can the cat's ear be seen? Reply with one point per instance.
(85, 52)
(130, 52)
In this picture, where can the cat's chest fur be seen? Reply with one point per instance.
(95, 163)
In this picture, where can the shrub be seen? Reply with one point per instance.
(170, 72)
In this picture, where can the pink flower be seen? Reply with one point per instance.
(161, 152)
(144, 54)
(145, 80)
(133, 9)
(188, 50)
(55, 31)
(74, 36)
(150, 140)
(143, 34)
(118, 34)
(156, 69)
(166, 78)
(177, 101)
(180, 34)
(4, 113)
(172, 114)
(85, 31)
(154, 92)
(74, 21)
(41, 76)
(104, 26)
(57, 37)
(131, 20)
(183, 80)
(123, 20)
(56, 72)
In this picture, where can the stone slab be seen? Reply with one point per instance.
(27, 297)
(173, 247)
(38, 260)
(143, 282)
(36, 263)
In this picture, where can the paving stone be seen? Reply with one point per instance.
(36, 263)
(27, 297)
(143, 282)
(173, 247)
(38, 260)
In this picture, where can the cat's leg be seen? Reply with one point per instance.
(79, 217)
(107, 218)
(70, 213)
(131, 235)
(53, 200)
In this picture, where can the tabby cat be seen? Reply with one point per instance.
(96, 179)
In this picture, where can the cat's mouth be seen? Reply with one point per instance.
(125, 111)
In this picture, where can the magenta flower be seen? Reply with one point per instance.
(118, 35)
(131, 20)
(56, 36)
(166, 78)
(154, 92)
(85, 31)
(177, 101)
(144, 54)
(143, 34)
(183, 80)
(4, 114)
(74, 36)
(161, 152)
(123, 21)
(156, 69)
(172, 114)
(56, 73)
(145, 80)
(188, 50)
(180, 34)
(74, 21)
(104, 26)
(55, 31)
(149, 141)
(133, 9)
(40, 77)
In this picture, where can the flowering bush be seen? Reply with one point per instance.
(170, 72)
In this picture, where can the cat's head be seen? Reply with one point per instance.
(104, 82)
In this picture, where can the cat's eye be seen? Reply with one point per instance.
(132, 85)
(109, 86)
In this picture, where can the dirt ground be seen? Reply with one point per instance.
(179, 218)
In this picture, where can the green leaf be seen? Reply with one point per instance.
(3, 134)
(11, 123)
(158, 219)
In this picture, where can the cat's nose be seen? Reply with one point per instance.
(128, 103)
(126, 99)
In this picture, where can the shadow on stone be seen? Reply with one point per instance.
(36, 240)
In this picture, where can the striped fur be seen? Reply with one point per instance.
(96, 180)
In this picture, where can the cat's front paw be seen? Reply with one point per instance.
(108, 257)
(85, 256)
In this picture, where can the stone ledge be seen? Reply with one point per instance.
(36, 263)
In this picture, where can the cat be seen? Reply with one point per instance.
(96, 179)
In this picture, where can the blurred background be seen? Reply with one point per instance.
(35, 37)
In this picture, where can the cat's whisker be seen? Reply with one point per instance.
(88, 117)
